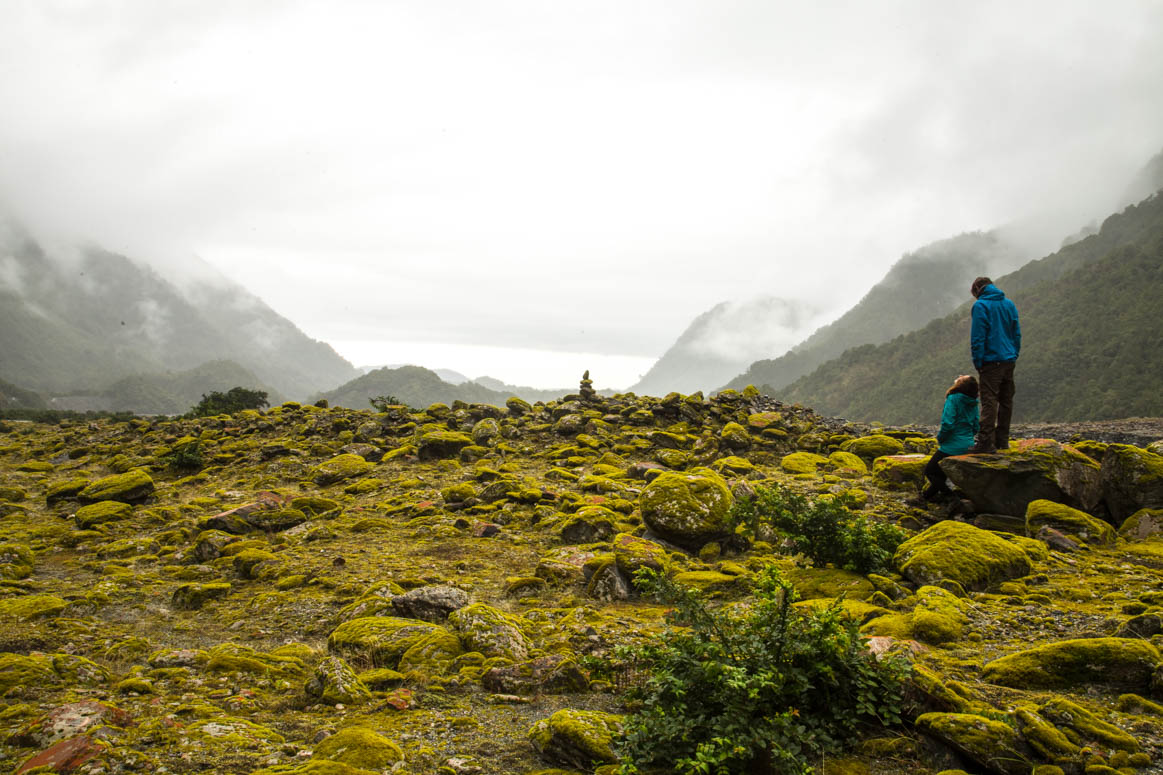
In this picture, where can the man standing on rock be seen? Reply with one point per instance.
(994, 342)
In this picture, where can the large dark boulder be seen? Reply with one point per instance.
(1132, 479)
(1034, 469)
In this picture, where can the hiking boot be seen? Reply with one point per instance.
(981, 449)
(1003, 444)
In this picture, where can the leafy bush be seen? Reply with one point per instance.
(824, 529)
(757, 689)
(234, 400)
(187, 457)
(381, 403)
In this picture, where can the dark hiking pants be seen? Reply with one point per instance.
(996, 381)
(938, 484)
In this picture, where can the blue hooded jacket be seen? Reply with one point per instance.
(995, 336)
(959, 424)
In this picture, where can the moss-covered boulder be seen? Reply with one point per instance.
(102, 512)
(360, 747)
(436, 445)
(802, 462)
(26, 608)
(577, 738)
(340, 468)
(956, 551)
(872, 447)
(589, 525)
(21, 674)
(16, 561)
(813, 583)
(939, 616)
(65, 490)
(381, 640)
(334, 682)
(1142, 525)
(490, 631)
(1132, 479)
(191, 597)
(233, 658)
(1117, 662)
(315, 767)
(1033, 469)
(899, 472)
(992, 745)
(632, 553)
(1085, 728)
(431, 655)
(555, 674)
(687, 509)
(431, 603)
(129, 487)
(1072, 522)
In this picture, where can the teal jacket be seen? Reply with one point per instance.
(959, 424)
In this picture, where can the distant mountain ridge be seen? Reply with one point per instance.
(924, 284)
(1092, 339)
(724, 340)
(77, 325)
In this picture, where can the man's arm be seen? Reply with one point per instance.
(1017, 333)
(979, 329)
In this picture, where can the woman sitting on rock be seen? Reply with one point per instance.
(959, 425)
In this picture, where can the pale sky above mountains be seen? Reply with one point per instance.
(529, 189)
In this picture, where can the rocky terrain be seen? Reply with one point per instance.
(321, 590)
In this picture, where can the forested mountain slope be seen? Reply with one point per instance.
(1092, 344)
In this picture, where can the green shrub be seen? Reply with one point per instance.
(758, 689)
(824, 529)
(234, 400)
(381, 403)
(187, 457)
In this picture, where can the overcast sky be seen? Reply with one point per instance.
(495, 187)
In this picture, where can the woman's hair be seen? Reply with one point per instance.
(978, 285)
(968, 386)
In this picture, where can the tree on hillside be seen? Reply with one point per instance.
(234, 400)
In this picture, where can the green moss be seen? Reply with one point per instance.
(64, 490)
(872, 447)
(991, 744)
(29, 607)
(829, 582)
(1085, 728)
(688, 509)
(100, 513)
(802, 462)
(191, 597)
(956, 551)
(23, 674)
(436, 445)
(1045, 738)
(359, 747)
(16, 561)
(382, 640)
(313, 505)
(848, 461)
(1119, 662)
(130, 487)
(1142, 525)
(235, 658)
(487, 630)
(431, 655)
(334, 682)
(1140, 706)
(899, 472)
(577, 737)
(339, 468)
(1069, 521)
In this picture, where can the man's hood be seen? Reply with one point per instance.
(991, 293)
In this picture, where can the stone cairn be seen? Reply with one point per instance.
(586, 388)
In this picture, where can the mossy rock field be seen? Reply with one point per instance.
(320, 590)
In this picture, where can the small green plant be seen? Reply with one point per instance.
(757, 689)
(186, 457)
(824, 529)
(381, 403)
(234, 400)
